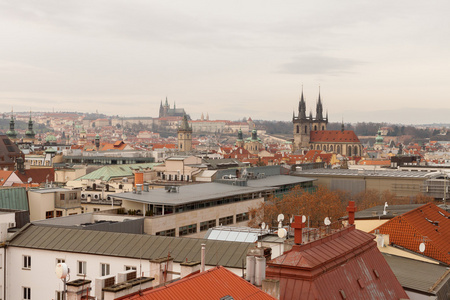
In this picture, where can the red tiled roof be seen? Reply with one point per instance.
(334, 136)
(37, 175)
(347, 260)
(4, 175)
(214, 284)
(414, 227)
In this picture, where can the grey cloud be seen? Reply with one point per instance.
(318, 64)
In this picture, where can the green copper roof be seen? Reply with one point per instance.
(13, 198)
(106, 173)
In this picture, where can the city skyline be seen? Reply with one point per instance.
(379, 62)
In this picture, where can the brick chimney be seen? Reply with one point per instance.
(298, 225)
(351, 208)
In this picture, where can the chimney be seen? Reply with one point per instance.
(146, 187)
(202, 267)
(298, 225)
(351, 208)
(138, 178)
(78, 288)
(271, 287)
(250, 269)
(260, 270)
(189, 267)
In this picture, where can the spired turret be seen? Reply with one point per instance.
(185, 135)
(12, 133)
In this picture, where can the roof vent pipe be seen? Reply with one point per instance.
(250, 269)
(260, 270)
(146, 187)
(139, 188)
(202, 267)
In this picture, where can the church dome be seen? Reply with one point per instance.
(379, 139)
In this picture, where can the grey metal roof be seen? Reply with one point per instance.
(225, 253)
(13, 198)
(418, 275)
(190, 193)
(278, 180)
(361, 173)
(49, 190)
(376, 212)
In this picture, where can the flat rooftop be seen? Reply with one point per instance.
(209, 191)
(49, 190)
(361, 173)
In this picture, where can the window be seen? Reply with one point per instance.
(49, 214)
(207, 224)
(127, 268)
(59, 213)
(81, 268)
(226, 220)
(26, 293)
(59, 295)
(96, 209)
(26, 262)
(189, 229)
(60, 260)
(242, 217)
(62, 197)
(169, 232)
(105, 269)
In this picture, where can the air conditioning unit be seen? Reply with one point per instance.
(12, 225)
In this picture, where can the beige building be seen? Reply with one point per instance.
(53, 202)
(179, 168)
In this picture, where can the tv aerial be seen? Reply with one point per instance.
(282, 233)
(327, 221)
(280, 220)
(422, 247)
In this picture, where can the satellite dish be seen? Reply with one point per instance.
(263, 225)
(422, 247)
(303, 219)
(61, 270)
(30, 180)
(280, 218)
(267, 227)
(282, 233)
(327, 221)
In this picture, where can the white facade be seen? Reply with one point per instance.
(41, 279)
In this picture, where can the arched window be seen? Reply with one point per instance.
(315, 127)
(323, 127)
(298, 129)
(331, 148)
(325, 147)
(355, 150)
(338, 149)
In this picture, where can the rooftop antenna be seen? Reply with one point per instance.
(282, 233)
(62, 271)
(422, 247)
(280, 220)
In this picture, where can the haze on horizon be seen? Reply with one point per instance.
(377, 61)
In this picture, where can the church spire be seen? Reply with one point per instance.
(302, 107)
(342, 125)
(319, 109)
(11, 133)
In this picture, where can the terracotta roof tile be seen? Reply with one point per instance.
(428, 224)
(334, 136)
(215, 284)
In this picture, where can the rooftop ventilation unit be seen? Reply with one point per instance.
(172, 189)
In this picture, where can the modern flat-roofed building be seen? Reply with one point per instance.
(403, 184)
(193, 209)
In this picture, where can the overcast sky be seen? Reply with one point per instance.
(231, 59)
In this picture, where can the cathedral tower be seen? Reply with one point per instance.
(302, 126)
(185, 136)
